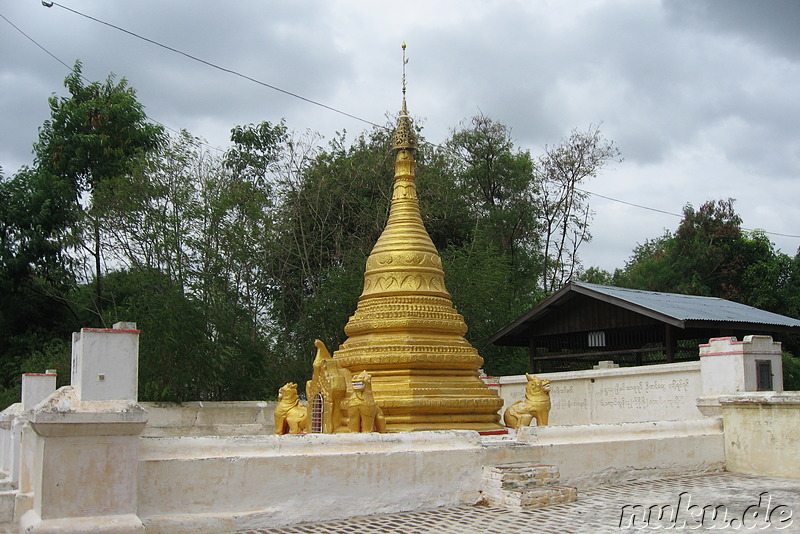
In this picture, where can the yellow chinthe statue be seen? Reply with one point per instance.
(363, 413)
(535, 406)
(405, 331)
(291, 417)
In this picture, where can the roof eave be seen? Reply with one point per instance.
(537, 311)
(548, 304)
(739, 325)
(636, 308)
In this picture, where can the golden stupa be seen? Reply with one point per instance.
(405, 331)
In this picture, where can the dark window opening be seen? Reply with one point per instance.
(764, 375)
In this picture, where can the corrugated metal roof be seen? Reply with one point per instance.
(691, 307)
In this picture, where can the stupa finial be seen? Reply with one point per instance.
(405, 62)
(404, 137)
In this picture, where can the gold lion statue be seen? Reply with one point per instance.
(291, 417)
(363, 413)
(536, 404)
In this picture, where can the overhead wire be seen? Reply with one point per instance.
(628, 203)
(31, 39)
(87, 80)
(294, 95)
(214, 65)
(680, 216)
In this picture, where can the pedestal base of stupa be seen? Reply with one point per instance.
(435, 400)
(425, 385)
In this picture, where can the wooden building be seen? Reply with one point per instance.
(582, 324)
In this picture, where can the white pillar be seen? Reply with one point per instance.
(27, 458)
(7, 418)
(85, 453)
(105, 363)
(36, 387)
(728, 366)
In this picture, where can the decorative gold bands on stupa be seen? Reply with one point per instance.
(405, 331)
(404, 260)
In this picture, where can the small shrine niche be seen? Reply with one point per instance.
(325, 392)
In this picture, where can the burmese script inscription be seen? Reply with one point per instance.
(644, 394)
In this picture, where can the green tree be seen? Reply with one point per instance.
(648, 267)
(709, 254)
(197, 240)
(35, 216)
(791, 372)
(331, 207)
(562, 206)
(478, 277)
(35, 277)
(150, 216)
(99, 132)
(497, 183)
(596, 275)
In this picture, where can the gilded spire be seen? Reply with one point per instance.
(405, 331)
(404, 259)
(404, 137)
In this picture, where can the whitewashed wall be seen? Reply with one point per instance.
(762, 431)
(213, 484)
(222, 484)
(234, 418)
(666, 392)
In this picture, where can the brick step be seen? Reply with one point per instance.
(536, 498)
(7, 506)
(513, 477)
(524, 487)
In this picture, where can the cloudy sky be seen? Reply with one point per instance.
(702, 97)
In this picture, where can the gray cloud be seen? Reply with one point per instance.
(699, 95)
(768, 23)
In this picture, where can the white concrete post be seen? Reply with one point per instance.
(27, 457)
(7, 418)
(85, 455)
(105, 363)
(728, 366)
(36, 387)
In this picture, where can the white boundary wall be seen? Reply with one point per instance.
(253, 481)
(665, 392)
(235, 418)
(762, 431)
(85, 468)
(216, 484)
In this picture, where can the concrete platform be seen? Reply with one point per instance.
(598, 510)
(601, 510)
